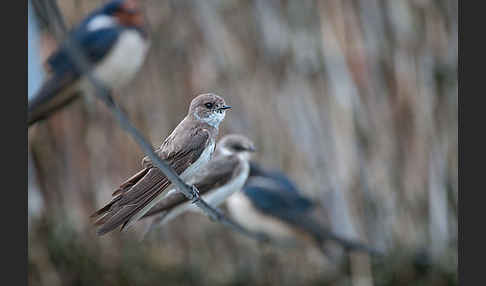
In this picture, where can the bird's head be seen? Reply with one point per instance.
(236, 144)
(208, 108)
(126, 12)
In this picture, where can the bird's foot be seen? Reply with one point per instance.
(195, 194)
(109, 97)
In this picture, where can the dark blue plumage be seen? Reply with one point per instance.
(97, 36)
(94, 45)
(276, 201)
(274, 193)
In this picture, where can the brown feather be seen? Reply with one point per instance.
(181, 149)
(131, 181)
(218, 171)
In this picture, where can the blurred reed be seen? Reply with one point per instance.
(355, 100)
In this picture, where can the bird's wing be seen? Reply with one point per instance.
(138, 191)
(277, 177)
(287, 184)
(292, 208)
(271, 196)
(307, 223)
(93, 44)
(53, 94)
(217, 172)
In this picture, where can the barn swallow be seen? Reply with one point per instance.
(223, 175)
(187, 149)
(114, 43)
(272, 204)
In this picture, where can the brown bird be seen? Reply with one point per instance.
(225, 174)
(188, 148)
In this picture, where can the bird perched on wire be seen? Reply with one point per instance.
(114, 43)
(223, 175)
(272, 204)
(187, 149)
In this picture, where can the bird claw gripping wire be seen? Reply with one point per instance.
(195, 194)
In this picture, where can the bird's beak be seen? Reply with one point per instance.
(224, 107)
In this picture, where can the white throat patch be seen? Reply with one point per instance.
(224, 151)
(100, 22)
(214, 118)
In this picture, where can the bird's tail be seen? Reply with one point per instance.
(322, 234)
(53, 95)
(127, 201)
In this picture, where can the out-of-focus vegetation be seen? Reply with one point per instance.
(354, 100)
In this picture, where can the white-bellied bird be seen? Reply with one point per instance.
(223, 175)
(271, 203)
(114, 43)
(187, 150)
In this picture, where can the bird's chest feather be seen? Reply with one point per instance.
(123, 61)
(219, 195)
(201, 161)
(243, 211)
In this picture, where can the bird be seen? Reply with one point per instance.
(187, 149)
(114, 42)
(271, 203)
(223, 175)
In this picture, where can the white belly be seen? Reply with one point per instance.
(218, 196)
(185, 176)
(242, 210)
(201, 161)
(123, 61)
(214, 198)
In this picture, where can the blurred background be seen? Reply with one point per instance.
(355, 100)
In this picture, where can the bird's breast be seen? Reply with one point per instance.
(243, 211)
(123, 60)
(219, 195)
(200, 162)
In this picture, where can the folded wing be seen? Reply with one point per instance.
(292, 208)
(53, 94)
(141, 189)
(217, 172)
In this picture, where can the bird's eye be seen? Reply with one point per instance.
(237, 147)
(209, 105)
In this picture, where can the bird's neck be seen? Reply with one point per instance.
(242, 156)
(213, 119)
(223, 151)
(190, 122)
